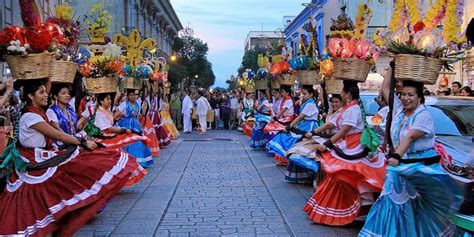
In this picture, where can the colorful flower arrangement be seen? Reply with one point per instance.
(363, 16)
(37, 39)
(451, 11)
(98, 20)
(68, 23)
(101, 66)
(135, 46)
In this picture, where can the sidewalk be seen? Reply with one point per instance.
(211, 185)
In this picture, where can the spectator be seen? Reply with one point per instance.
(215, 102)
(456, 88)
(175, 103)
(187, 110)
(234, 106)
(202, 107)
(466, 91)
(225, 111)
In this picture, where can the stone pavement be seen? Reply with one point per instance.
(211, 185)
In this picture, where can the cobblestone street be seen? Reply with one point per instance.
(210, 186)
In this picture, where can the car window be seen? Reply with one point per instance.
(370, 105)
(443, 124)
(460, 115)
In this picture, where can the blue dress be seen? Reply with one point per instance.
(417, 198)
(137, 149)
(258, 138)
(67, 120)
(282, 142)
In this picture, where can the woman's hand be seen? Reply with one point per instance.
(128, 131)
(393, 162)
(308, 135)
(91, 145)
(321, 148)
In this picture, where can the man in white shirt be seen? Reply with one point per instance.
(187, 110)
(234, 106)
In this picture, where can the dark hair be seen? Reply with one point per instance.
(418, 87)
(286, 89)
(201, 92)
(56, 88)
(467, 89)
(131, 91)
(352, 88)
(30, 87)
(336, 96)
(102, 96)
(457, 83)
(78, 90)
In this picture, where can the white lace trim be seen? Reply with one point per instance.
(399, 198)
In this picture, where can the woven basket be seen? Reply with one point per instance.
(334, 86)
(286, 80)
(274, 84)
(307, 77)
(32, 66)
(351, 69)
(133, 83)
(101, 85)
(249, 89)
(261, 84)
(63, 71)
(417, 68)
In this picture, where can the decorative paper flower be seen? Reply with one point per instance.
(64, 12)
(112, 51)
(363, 16)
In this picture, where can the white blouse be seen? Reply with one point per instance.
(28, 136)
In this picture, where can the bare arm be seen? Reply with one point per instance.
(386, 84)
(324, 127)
(341, 133)
(402, 148)
(281, 112)
(297, 120)
(48, 131)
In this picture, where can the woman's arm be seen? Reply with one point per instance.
(324, 127)
(117, 130)
(56, 126)
(48, 131)
(297, 120)
(281, 112)
(336, 137)
(402, 148)
(386, 84)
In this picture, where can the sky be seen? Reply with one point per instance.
(224, 25)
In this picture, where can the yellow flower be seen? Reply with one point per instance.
(432, 13)
(64, 12)
(395, 22)
(413, 11)
(362, 19)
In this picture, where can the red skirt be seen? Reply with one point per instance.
(149, 131)
(120, 140)
(247, 128)
(64, 197)
(337, 200)
(162, 134)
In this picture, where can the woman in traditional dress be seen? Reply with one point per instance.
(306, 121)
(262, 117)
(417, 194)
(62, 114)
(55, 191)
(283, 112)
(162, 134)
(351, 174)
(128, 112)
(147, 125)
(247, 104)
(166, 118)
(302, 166)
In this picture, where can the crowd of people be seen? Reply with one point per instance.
(67, 152)
(387, 176)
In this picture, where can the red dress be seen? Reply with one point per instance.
(64, 197)
(162, 134)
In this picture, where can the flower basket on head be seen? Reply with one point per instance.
(63, 71)
(101, 85)
(334, 86)
(417, 68)
(308, 77)
(274, 84)
(261, 84)
(351, 69)
(133, 83)
(285, 80)
(31, 66)
(249, 89)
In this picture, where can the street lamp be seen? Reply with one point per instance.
(173, 58)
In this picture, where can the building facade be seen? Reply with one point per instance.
(153, 18)
(261, 38)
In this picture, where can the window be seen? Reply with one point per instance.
(8, 18)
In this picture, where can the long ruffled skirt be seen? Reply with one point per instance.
(169, 124)
(416, 201)
(247, 128)
(149, 132)
(282, 142)
(62, 198)
(162, 134)
(348, 184)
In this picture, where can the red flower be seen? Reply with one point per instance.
(419, 26)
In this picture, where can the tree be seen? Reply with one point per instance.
(192, 61)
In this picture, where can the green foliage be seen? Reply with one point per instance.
(192, 60)
(249, 60)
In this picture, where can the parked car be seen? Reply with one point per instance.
(454, 128)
